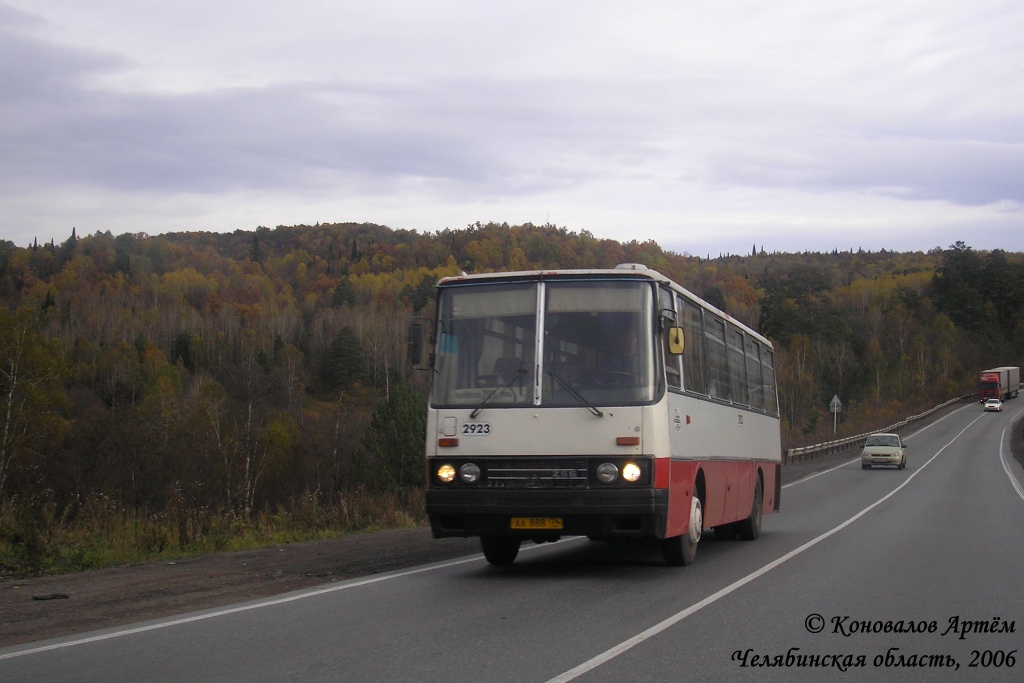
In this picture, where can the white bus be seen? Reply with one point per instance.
(600, 403)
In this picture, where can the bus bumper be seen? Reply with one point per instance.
(610, 513)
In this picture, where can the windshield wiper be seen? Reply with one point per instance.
(565, 385)
(519, 373)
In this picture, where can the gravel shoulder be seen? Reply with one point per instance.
(55, 606)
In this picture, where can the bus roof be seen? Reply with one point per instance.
(623, 270)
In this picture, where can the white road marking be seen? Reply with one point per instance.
(626, 645)
(354, 583)
(1006, 466)
(818, 474)
(857, 459)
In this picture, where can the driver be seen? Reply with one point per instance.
(624, 359)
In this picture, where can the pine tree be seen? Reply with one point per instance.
(394, 440)
(345, 363)
(344, 294)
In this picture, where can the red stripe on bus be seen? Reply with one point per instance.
(729, 488)
(661, 467)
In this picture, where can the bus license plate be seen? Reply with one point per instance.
(536, 522)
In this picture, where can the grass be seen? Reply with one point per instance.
(97, 532)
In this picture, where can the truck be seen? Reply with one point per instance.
(1001, 383)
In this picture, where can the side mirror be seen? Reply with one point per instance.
(675, 341)
(416, 336)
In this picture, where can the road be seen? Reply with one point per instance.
(872, 572)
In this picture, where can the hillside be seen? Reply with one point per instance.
(198, 386)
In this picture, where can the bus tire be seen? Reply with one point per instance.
(750, 528)
(680, 551)
(500, 550)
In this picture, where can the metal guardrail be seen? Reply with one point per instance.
(805, 453)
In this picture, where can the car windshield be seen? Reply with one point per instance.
(882, 441)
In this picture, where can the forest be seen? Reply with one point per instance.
(190, 392)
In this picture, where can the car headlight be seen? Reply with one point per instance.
(631, 471)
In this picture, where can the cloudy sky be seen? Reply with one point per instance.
(706, 126)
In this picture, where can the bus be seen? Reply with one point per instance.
(607, 403)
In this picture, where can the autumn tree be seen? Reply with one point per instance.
(800, 303)
(31, 396)
(957, 287)
(184, 372)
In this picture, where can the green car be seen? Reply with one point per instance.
(883, 449)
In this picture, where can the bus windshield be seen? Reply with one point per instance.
(597, 345)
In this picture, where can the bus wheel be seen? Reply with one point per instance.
(680, 551)
(500, 549)
(750, 528)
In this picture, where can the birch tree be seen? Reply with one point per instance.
(30, 393)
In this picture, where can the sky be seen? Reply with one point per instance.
(708, 127)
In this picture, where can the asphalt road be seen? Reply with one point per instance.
(864, 575)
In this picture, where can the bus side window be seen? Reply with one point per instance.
(754, 380)
(771, 401)
(737, 366)
(693, 350)
(717, 360)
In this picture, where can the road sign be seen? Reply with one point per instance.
(834, 407)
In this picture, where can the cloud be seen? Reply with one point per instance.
(739, 117)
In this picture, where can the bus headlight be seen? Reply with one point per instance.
(631, 471)
(469, 473)
(607, 473)
(446, 474)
